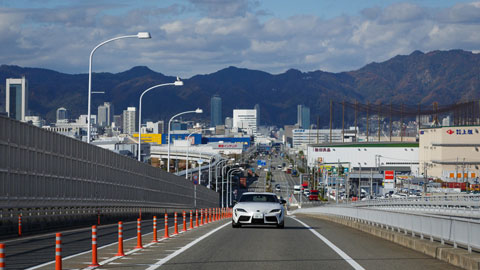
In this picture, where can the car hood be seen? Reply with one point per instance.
(258, 206)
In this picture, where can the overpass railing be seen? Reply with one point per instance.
(457, 231)
(460, 205)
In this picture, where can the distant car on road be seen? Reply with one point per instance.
(313, 195)
(297, 189)
(277, 188)
(263, 208)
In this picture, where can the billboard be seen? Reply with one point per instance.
(389, 175)
(228, 146)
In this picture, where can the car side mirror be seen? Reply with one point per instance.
(283, 201)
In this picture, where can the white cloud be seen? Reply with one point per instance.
(203, 36)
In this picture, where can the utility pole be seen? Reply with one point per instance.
(368, 107)
(359, 181)
(331, 115)
(371, 183)
(356, 127)
(343, 121)
(378, 115)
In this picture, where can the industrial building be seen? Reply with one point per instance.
(450, 153)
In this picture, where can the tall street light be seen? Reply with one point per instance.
(140, 35)
(188, 147)
(229, 191)
(198, 110)
(216, 172)
(178, 82)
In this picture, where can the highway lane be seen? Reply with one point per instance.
(30, 251)
(296, 247)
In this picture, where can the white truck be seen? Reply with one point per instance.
(297, 189)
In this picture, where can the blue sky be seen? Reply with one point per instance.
(202, 36)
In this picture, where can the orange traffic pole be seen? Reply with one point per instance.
(154, 230)
(196, 218)
(139, 234)
(201, 217)
(166, 226)
(58, 251)
(19, 225)
(94, 247)
(191, 219)
(175, 222)
(2, 256)
(210, 215)
(120, 240)
(184, 222)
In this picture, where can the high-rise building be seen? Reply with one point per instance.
(216, 111)
(154, 127)
(62, 115)
(303, 116)
(105, 114)
(228, 122)
(129, 123)
(118, 120)
(257, 108)
(16, 102)
(246, 120)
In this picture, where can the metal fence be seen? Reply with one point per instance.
(40, 168)
(457, 231)
(459, 205)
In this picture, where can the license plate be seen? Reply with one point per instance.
(258, 215)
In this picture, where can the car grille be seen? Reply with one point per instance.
(244, 218)
(257, 221)
(271, 219)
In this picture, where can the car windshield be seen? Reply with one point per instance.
(258, 198)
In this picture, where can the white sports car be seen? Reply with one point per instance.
(258, 208)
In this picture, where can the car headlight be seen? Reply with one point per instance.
(240, 210)
(276, 211)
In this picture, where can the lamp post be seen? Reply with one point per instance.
(198, 110)
(188, 148)
(216, 173)
(140, 35)
(223, 174)
(210, 171)
(233, 170)
(178, 82)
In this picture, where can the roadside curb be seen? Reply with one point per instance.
(455, 256)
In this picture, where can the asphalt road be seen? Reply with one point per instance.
(296, 247)
(30, 251)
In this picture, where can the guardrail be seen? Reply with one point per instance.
(459, 200)
(457, 231)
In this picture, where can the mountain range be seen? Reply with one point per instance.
(445, 77)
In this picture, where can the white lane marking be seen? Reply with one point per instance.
(189, 245)
(342, 254)
(85, 252)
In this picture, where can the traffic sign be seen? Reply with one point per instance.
(195, 179)
(261, 162)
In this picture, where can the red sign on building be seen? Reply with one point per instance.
(389, 175)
